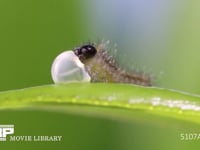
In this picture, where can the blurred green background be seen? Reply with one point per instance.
(156, 37)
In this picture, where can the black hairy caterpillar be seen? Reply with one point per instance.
(103, 68)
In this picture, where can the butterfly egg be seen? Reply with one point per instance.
(68, 68)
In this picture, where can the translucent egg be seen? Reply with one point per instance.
(68, 68)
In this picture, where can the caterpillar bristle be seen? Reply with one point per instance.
(103, 68)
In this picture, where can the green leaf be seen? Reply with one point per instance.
(121, 101)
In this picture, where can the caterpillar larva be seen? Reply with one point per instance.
(91, 62)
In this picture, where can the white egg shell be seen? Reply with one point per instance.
(68, 68)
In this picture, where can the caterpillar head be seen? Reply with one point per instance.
(85, 51)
